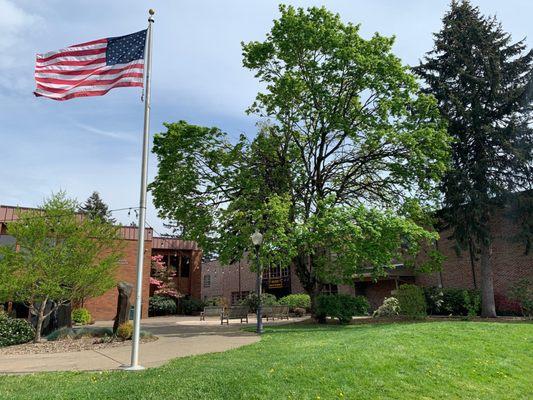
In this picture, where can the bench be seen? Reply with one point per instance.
(211, 311)
(273, 312)
(281, 312)
(267, 312)
(234, 312)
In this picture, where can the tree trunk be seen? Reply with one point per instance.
(472, 261)
(40, 319)
(313, 294)
(488, 307)
(312, 287)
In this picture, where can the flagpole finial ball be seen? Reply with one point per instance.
(151, 11)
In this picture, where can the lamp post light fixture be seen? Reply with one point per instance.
(257, 240)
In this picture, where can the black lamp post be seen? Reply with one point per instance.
(257, 240)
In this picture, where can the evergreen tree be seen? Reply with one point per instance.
(95, 207)
(480, 79)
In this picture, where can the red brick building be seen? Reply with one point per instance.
(509, 262)
(185, 256)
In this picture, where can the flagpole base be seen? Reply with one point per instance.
(132, 367)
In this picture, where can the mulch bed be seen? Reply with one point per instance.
(67, 345)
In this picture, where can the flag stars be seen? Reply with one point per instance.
(125, 49)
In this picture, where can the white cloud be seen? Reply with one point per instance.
(17, 26)
(14, 22)
(125, 136)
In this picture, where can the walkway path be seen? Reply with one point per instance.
(178, 337)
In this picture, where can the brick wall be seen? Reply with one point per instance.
(296, 285)
(509, 263)
(186, 285)
(225, 279)
(195, 282)
(104, 307)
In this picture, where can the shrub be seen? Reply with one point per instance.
(252, 300)
(93, 331)
(14, 331)
(125, 330)
(145, 334)
(506, 305)
(81, 316)
(61, 333)
(446, 301)
(412, 301)
(78, 333)
(522, 291)
(296, 301)
(299, 312)
(161, 305)
(434, 300)
(360, 305)
(216, 301)
(341, 306)
(389, 308)
(471, 302)
(190, 306)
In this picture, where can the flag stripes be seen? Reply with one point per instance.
(87, 69)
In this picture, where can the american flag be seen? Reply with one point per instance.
(91, 68)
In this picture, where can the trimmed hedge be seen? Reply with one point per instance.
(15, 331)
(161, 305)
(341, 306)
(296, 301)
(411, 301)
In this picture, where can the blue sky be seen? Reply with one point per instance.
(90, 144)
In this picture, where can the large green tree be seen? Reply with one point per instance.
(347, 141)
(480, 79)
(59, 257)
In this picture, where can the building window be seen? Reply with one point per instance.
(179, 264)
(330, 289)
(236, 297)
(276, 272)
(185, 267)
(173, 263)
(207, 280)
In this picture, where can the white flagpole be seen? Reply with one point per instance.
(134, 366)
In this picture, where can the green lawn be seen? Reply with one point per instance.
(433, 360)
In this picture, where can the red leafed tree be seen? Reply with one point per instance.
(163, 279)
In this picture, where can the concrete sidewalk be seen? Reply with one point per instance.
(178, 337)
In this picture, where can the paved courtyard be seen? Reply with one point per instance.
(179, 336)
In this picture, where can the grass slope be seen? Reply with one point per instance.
(438, 360)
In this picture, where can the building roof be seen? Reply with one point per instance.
(161, 243)
(9, 213)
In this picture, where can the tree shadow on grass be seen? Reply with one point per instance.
(332, 326)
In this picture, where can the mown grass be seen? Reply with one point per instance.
(438, 360)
